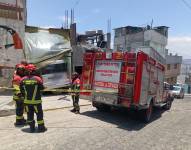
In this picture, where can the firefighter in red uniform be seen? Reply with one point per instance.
(31, 86)
(17, 97)
(75, 87)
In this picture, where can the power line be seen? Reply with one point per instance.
(187, 4)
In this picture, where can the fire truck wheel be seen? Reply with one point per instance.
(168, 105)
(147, 113)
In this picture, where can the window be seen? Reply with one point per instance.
(119, 47)
(54, 68)
(168, 66)
(12, 14)
(175, 66)
(118, 32)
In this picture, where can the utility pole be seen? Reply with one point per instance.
(109, 33)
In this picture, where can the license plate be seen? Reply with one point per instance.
(107, 100)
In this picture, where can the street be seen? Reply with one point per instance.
(92, 130)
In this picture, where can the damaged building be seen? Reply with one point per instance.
(12, 27)
(90, 41)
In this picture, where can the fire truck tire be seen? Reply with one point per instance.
(168, 105)
(146, 114)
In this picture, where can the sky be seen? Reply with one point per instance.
(93, 15)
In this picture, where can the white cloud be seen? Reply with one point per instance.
(96, 11)
(180, 45)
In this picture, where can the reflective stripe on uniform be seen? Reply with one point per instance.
(32, 102)
(16, 89)
(40, 121)
(16, 92)
(19, 117)
(35, 109)
(27, 108)
(25, 91)
(34, 93)
(30, 82)
(15, 97)
(29, 121)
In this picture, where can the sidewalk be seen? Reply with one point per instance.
(187, 94)
(52, 102)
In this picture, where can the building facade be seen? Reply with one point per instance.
(172, 67)
(132, 38)
(185, 75)
(92, 41)
(13, 15)
(129, 38)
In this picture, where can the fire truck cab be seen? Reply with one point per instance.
(133, 80)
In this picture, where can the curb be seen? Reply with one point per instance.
(11, 112)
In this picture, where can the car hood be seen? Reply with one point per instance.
(175, 92)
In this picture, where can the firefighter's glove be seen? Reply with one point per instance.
(20, 96)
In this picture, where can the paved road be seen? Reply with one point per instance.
(92, 130)
(7, 105)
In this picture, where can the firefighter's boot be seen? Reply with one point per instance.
(73, 110)
(20, 122)
(32, 126)
(41, 128)
(77, 112)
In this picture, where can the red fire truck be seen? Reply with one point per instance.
(133, 80)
